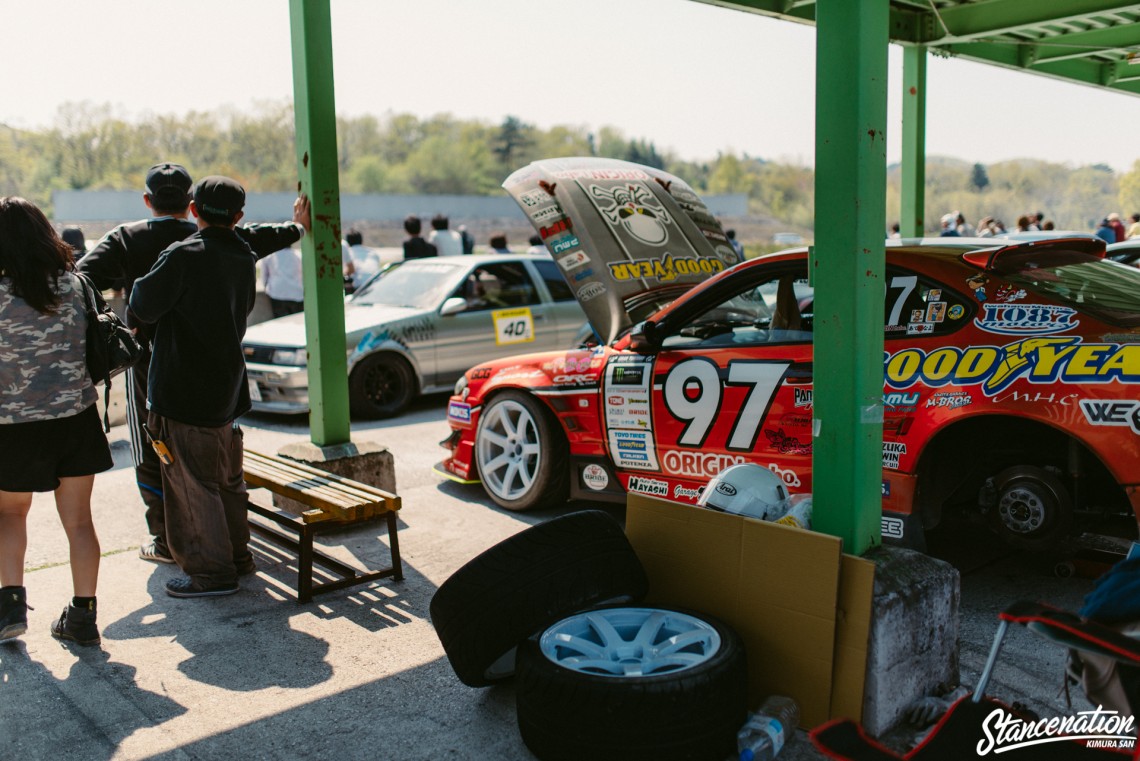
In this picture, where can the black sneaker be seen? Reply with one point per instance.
(13, 612)
(185, 587)
(155, 554)
(77, 625)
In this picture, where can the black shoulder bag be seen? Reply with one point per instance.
(111, 347)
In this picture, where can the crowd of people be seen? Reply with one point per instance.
(953, 224)
(188, 271)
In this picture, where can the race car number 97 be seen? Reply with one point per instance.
(693, 395)
(513, 326)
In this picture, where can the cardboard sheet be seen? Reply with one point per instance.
(778, 586)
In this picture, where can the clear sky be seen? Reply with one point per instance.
(692, 78)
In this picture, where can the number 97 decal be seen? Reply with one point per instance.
(513, 326)
(693, 394)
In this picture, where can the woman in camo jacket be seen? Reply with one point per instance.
(50, 434)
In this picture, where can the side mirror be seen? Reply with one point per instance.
(645, 338)
(454, 305)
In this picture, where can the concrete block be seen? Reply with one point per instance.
(363, 461)
(913, 649)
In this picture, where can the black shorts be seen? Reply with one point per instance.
(35, 455)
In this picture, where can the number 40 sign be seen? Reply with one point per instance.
(513, 326)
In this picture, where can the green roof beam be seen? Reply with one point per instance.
(998, 17)
(1092, 42)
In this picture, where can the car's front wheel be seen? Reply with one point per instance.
(521, 453)
(380, 386)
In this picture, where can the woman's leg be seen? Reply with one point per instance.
(73, 501)
(14, 508)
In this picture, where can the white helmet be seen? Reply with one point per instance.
(746, 489)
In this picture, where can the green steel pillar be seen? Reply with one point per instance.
(315, 110)
(913, 202)
(847, 269)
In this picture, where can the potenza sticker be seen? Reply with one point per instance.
(1107, 412)
(1026, 319)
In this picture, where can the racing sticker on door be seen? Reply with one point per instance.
(628, 422)
(513, 326)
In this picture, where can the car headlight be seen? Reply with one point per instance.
(297, 357)
(461, 386)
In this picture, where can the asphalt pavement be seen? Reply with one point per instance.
(359, 673)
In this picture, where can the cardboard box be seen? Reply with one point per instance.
(801, 606)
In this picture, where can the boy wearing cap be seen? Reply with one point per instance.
(126, 254)
(198, 296)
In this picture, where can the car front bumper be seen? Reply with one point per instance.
(278, 388)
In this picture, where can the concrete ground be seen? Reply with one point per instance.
(356, 674)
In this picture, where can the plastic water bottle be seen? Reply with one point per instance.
(768, 729)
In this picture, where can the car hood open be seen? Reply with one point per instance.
(618, 229)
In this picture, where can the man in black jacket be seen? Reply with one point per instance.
(198, 296)
(127, 253)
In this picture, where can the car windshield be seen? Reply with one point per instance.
(1104, 289)
(418, 284)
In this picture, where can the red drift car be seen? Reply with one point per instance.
(1011, 372)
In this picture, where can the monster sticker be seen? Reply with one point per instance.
(632, 208)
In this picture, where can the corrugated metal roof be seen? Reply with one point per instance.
(1092, 42)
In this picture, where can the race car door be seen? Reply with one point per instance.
(732, 383)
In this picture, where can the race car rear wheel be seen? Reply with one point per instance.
(380, 386)
(1034, 510)
(521, 453)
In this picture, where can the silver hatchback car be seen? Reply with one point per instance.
(417, 326)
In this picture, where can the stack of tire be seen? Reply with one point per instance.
(597, 675)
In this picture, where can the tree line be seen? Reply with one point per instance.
(91, 147)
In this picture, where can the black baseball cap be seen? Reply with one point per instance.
(168, 181)
(218, 198)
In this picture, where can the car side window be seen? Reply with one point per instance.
(555, 283)
(776, 310)
(917, 306)
(498, 286)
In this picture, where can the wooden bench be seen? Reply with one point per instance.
(334, 501)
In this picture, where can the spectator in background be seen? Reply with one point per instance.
(1023, 224)
(1134, 228)
(536, 245)
(1105, 232)
(365, 261)
(731, 235)
(1038, 220)
(126, 254)
(284, 283)
(468, 240)
(1117, 227)
(73, 237)
(446, 242)
(964, 228)
(498, 243)
(50, 435)
(985, 227)
(895, 233)
(416, 247)
(948, 225)
(1048, 225)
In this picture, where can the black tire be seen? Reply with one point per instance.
(694, 713)
(1034, 510)
(380, 386)
(527, 582)
(540, 450)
